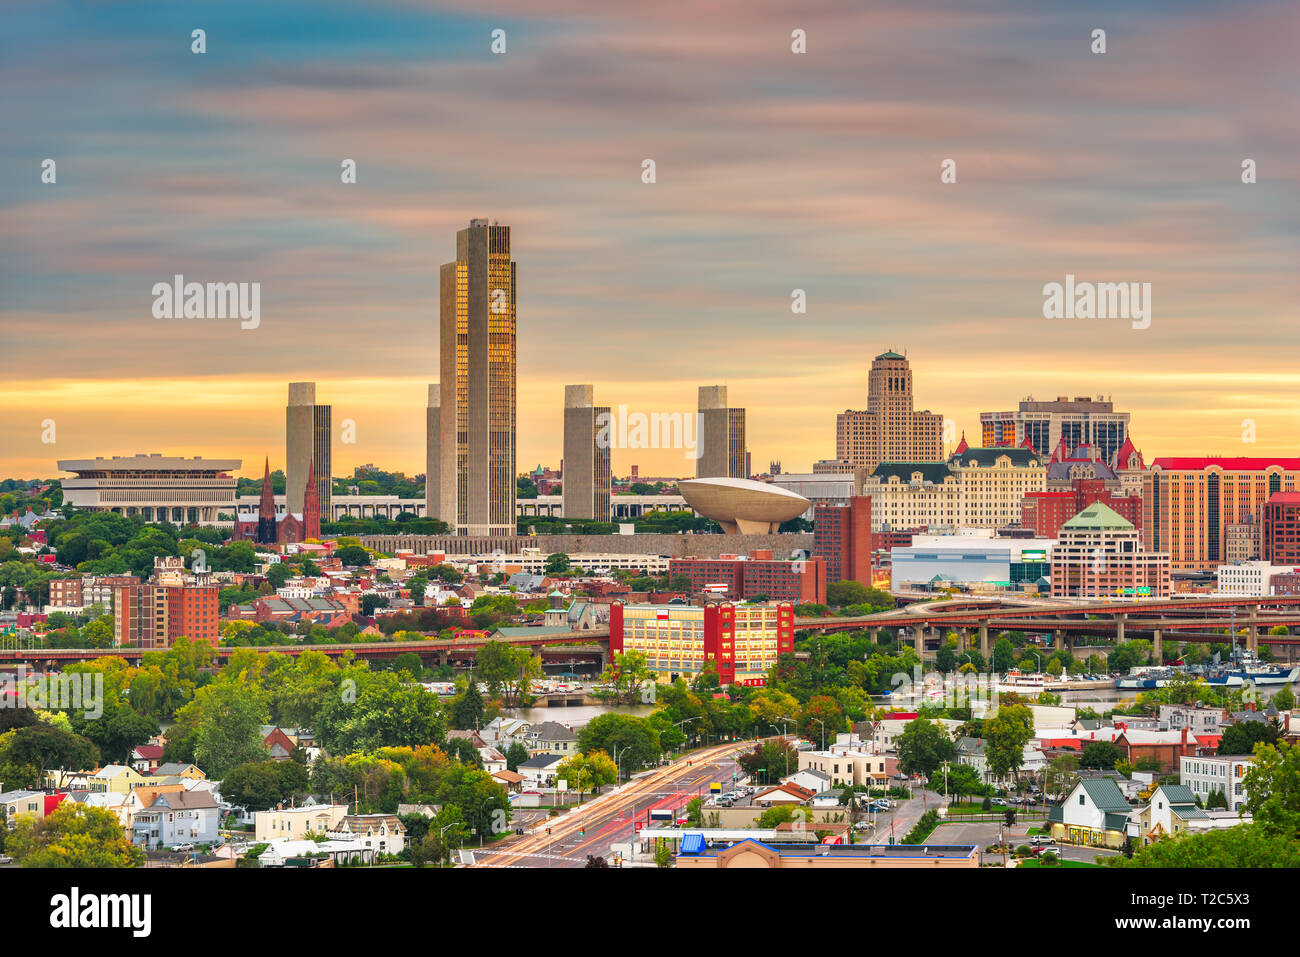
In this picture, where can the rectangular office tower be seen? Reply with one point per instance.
(476, 420)
(721, 435)
(431, 474)
(307, 439)
(586, 455)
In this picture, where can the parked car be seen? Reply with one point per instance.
(1041, 840)
(183, 848)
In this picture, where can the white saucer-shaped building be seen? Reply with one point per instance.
(743, 506)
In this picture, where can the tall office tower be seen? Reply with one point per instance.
(721, 436)
(431, 475)
(1079, 421)
(307, 442)
(586, 455)
(476, 424)
(890, 429)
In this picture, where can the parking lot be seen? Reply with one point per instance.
(985, 833)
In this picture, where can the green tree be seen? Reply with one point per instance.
(1272, 786)
(634, 739)
(27, 751)
(1006, 735)
(923, 746)
(516, 754)
(1241, 738)
(556, 563)
(353, 555)
(1248, 845)
(1060, 775)
(73, 835)
(1003, 655)
(1100, 755)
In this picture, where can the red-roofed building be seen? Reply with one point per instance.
(146, 758)
(54, 800)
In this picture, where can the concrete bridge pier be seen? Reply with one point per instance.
(1058, 640)
(1157, 647)
(963, 639)
(984, 640)
(918, 642)
(1252, 632)
(1119, 628)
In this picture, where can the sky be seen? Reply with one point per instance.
(775, 171)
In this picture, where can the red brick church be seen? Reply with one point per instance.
(268, 528)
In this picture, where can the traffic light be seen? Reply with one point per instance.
(582, 832)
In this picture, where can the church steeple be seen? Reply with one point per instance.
(266, 510)
(311, 505)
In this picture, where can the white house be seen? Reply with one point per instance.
(539, 770)
(1094, 813)
(382, 833)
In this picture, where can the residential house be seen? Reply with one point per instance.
(786, 793)
(278, 742)
(177, 817)
(501, 732)
(382, 833)
(810, 778)
(512, 780)
(551, 737)
(493, 760)
(473, 737)
(539, 770)
(1094, 814)
(146, 758)
(22, 803)
(848, 766)
(1169, 813)
(1195, 718)
(180, 770)
(297, 822)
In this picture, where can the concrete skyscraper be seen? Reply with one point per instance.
(307, 442)
(476, 418)
(890, 429)
(431, 473)
(586, 455)
(721, 436)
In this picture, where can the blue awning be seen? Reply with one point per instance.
(693, 844)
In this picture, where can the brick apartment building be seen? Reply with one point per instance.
(154, 616)
(1281, 529)
(755, 575)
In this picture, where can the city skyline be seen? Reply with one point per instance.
(778, 178)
